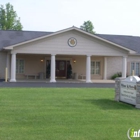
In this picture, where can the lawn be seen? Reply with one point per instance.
(64, 114)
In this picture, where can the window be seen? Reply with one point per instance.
(19, 66)
(136, 67)
(95, 67)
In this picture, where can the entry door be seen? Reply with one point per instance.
(60, 68)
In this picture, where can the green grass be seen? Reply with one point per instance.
(64, 114)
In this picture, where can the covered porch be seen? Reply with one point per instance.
(52, 68)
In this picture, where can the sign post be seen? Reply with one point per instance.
(6, 74)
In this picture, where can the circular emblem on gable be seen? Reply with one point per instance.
(72, 42)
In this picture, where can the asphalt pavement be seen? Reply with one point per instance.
(55, 85)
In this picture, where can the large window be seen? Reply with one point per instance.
(19, 66)
(95, 67)
(136, 67)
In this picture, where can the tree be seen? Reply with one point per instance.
(88, 26)
(9, 19)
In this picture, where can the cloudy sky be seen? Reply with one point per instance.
(108, 16)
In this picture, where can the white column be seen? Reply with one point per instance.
(88, 65)
(124, 66)
(13, 68)
(52, 69)
(105, 68)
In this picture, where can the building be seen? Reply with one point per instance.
(29, 53)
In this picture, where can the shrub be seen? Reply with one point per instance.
(119, 74)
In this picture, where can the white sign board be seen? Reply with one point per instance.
(128, 92)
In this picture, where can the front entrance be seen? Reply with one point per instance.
(60, 68)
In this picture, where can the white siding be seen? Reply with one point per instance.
(57, 44)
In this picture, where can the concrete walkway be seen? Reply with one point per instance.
(67, 81)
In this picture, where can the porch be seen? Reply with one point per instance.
(54, 68)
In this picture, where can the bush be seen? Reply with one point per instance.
(119, 74)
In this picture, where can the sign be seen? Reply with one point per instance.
(128, 92)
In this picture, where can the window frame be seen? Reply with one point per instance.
(18, 65)
(95, 61)
(134, 67)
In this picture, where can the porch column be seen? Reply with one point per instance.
(105, 68)
(13, 68)
(52, 68)
(124, 66)
(88, 65)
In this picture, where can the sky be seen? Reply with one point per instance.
(121, 17)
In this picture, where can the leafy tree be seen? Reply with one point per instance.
(88, 26)
(9, 19)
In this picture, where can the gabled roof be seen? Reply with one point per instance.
(130, 42)
(10, 39)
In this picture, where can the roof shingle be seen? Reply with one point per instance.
(130, 42)
(8, 38)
